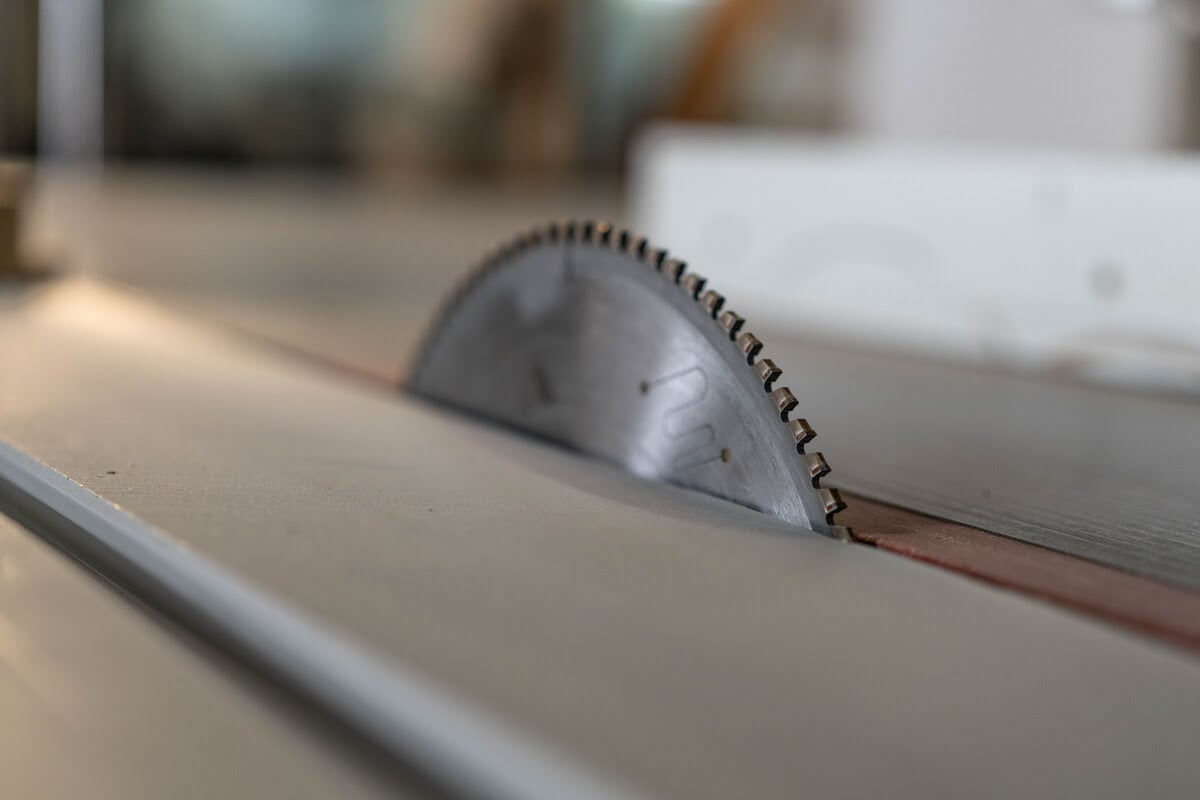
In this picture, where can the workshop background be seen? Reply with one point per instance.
(301, 167)
(552, 87)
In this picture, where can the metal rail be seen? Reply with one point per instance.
(453, 747)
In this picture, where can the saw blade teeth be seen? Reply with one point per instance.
(818, 468)
(602, 233)
(833, 503)
(638, 248)
(622, 240)
(750, 346)
(732, 323)
(673, 269)
(712, 302)
(693, 284)
(784, 401)
(631, 244)
(768, 373)
(802, 433)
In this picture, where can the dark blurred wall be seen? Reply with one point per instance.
(18, 76)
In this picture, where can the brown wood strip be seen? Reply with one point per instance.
(1140, 604)
(1131, 601)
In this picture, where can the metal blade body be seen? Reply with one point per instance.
(606, 347)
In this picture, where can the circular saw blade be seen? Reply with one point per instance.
(590, 338)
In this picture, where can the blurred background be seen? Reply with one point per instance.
(322, 171)
(554, 87)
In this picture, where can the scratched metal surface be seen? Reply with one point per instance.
(689, 646)
(1090, 471)
(585, 346)
(1095, 472)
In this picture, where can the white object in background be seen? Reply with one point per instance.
(1089, 266)
(1098, 73)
